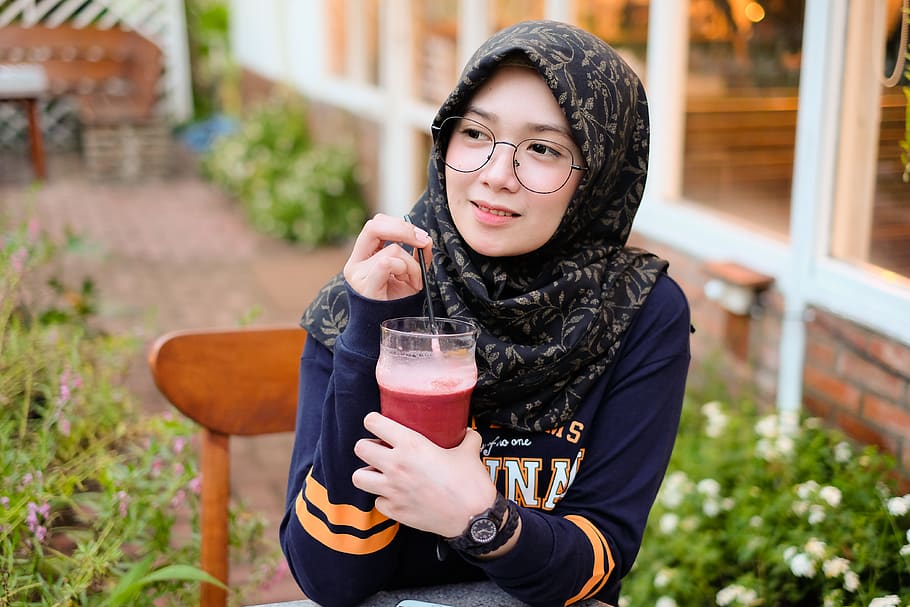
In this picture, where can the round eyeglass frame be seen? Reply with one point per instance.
(439, 130)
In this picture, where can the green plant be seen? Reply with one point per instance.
(289, 186)
(772, 510)
(91, 490)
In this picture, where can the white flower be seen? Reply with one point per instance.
(830, 494)
(905, 550)
(815, 547)
(767, 426)
(736, 593)
(898, 506)
(890, 600)
(806, 490)
(624, 602)
(711, 507)
(785, 445)
(716, 419)
(789, 553)
(756, 521)
(802, 565)
(674, 489)
(835, 567)
(709, 487)
(843, 452)
(663, 577)
(726, 596)
(851, 581)
(816, 514)
(727, 504)
(668, 523)
(800, 508)
(665, 601)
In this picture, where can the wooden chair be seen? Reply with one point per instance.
(232, 382)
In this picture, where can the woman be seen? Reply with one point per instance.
(537, 172)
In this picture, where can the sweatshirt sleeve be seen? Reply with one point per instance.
(585, 545)
(339, 548)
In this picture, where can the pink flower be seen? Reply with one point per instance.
(178, 499)
(178, 469)
(179, 444)
(195, 484)
(157, 465)
(17, 260)
(124, 502)
(34, 229)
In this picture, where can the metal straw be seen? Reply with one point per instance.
(426, 285)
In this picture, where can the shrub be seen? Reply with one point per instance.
(289, 187)
(772, 510)
(91, 491)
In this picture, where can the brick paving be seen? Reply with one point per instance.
(177, 254)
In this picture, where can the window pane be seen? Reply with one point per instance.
(353, 40)
(504, 13)
(742, 92)
(871, 219)
(435, 33)
(621, 23)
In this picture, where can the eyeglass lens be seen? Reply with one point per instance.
(541, 166)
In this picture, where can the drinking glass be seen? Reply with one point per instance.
(426, 374)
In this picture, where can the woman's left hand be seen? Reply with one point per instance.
(420, 484)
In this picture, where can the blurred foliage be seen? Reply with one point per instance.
(772, 510)
(214, 73)
(92, 491)
(289, 186)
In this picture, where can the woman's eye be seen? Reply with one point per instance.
(475, 134)
(544, 149)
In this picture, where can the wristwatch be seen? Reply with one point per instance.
(485, 532)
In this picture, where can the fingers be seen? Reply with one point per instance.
(380, 270)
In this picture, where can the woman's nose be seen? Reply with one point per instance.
(500, 168)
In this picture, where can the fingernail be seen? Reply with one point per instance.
(421, 235)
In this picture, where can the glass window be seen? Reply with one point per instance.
(435, 33)
(504, 13)
(353, 40)
(742, 91)
(621, 23)
(871, 222)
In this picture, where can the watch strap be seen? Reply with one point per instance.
(502, 508)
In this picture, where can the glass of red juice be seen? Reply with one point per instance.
(426, 377)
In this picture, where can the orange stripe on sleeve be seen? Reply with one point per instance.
(341, 542)
(599, 574)
(340, 514)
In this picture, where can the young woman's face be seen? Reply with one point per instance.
(496, 215)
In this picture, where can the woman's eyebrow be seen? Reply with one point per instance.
(542, 127)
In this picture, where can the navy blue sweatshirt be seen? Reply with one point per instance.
(584, 490)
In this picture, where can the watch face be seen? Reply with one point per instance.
(483, 530)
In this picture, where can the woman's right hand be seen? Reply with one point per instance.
(379, 267)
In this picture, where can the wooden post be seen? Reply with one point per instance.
(216, 491)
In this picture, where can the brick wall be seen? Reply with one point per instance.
(853, 378)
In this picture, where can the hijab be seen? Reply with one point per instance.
(551, 321)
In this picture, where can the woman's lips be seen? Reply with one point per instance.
(492, 215)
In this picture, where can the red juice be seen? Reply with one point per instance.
(440, 415)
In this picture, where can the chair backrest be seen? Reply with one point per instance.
(232, 382)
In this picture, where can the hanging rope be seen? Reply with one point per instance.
(895, 77)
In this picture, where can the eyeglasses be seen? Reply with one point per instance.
(541, 166)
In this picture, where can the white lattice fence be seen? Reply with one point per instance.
(162, 21)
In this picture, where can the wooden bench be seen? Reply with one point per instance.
(112, 76)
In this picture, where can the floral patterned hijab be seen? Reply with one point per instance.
(553, 320)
